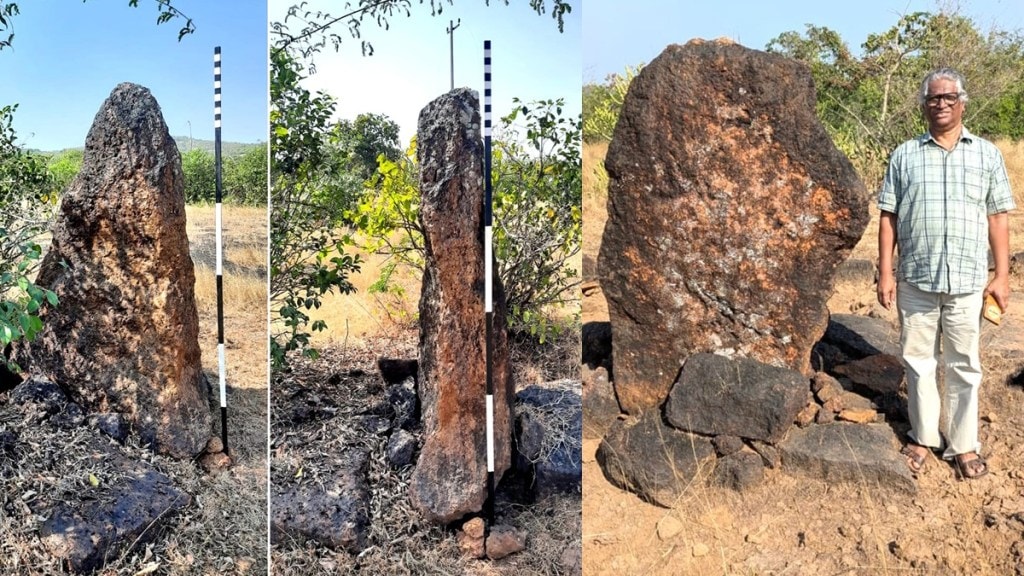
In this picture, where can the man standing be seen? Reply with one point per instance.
(944, 203)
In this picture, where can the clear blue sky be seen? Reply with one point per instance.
(617, 34)
(410, 65)
(68, 56)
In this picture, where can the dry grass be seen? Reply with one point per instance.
(225, 530)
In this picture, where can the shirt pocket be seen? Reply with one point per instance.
(975, 184)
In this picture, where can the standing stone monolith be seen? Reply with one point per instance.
(125, 335)
(729, 210)
(451, 473)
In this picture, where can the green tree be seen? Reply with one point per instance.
(361, 141)
(604, 102)
(199, 170)
(307, 252)
(63, 168)
(244, 177)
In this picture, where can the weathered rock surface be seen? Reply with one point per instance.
(471, 538)
(739, 471)
(111, 424)
(878, 374)
(404, 405)
(450, 477)
(725, 445)
(865, 454)
(401, 448)
(743, 397)
(334, 512)
(729, 210)
(504, 540)
(124, 509)
(862, 336)
(549, 425)
(125, 335)
(600, 408)
(652, 459)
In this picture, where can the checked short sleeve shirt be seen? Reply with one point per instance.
(942, 200)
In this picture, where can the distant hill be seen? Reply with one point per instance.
(228, 149)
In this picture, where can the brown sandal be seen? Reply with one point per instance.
(915, 459)
(970, 469)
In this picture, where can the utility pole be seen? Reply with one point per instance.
(451, 46)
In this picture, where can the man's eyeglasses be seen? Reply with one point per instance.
(949, 98)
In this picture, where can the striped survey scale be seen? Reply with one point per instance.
(221, 368)
(488, 292)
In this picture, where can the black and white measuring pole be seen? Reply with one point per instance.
(220, 252)
(488, 288)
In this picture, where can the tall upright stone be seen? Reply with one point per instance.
(729, 210)
(450, 477)
(125, 336)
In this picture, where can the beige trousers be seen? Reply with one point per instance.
(923, 317)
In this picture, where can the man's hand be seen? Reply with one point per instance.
(886, 289)
(999, 288)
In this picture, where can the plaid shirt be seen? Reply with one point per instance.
(942, 200)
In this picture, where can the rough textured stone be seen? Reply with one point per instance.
(549, 424)
(807, 415)
(729, 210)
(652, 459)
(739, 471)
(397, 370)
(404, 405)
(471, 538)
(769, 454)
(600, 408)
(597, 344)
(878, 374)
(862, 336)
(401, 448)
(504, 540)
(38, 398)
(112, 424)
(333, 512)
(825, 387)
(125, 509)
(450, 477)
(742, 397)
(215, 463)
(725, 445)
(866, 454)
(858, 415)
(125, 336)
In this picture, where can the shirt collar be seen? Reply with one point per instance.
(965, 136)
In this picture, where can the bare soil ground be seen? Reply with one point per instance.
(797, 526)
(362, 328)
(225, 531)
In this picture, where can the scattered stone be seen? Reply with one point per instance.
(401, 447)
(215, 463)
(653, 460)
(742, 397)
(450, 479)
(70, 417)
(700, 550)
(503, 541)
(842, 452)
(404, 405)
(333, 511)
(397, 370)
(112, 424)
(597, 344)
(739, 471)
(725, 445)
(878, 374)
(824, 416)
(862, 336)
(8, 443)
(833, 405)
(858, 415)
(769, 454)
(549, 424)
(126, 509)
(572, 560)
(600, 408)
(373, 424)
(471, 538)
(38, 396)
(125, 337)
(854, 401)
(725, 224)
(990, 417)
(806, 416)
(669, 527)
(825, 387)
(214, 445)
